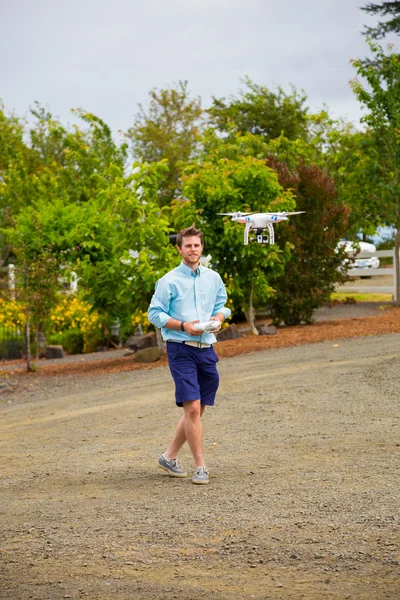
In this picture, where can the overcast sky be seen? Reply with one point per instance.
(105, 56)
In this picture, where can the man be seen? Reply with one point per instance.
(187, 295)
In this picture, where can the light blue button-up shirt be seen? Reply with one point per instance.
(185, 296)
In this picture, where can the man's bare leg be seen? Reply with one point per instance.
(194, 430)
(180, 437)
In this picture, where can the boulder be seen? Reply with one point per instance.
(148, 355)
(54, 352)
(266, 329)
(229, 333)
(140, 342)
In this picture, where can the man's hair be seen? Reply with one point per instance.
(189, 231)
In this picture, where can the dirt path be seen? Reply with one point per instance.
(303, 449)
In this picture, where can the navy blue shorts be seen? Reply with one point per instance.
(194, 371)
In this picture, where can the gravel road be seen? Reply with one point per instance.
(303, 450)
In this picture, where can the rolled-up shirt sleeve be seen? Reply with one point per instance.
(159, 305)
(220, 301)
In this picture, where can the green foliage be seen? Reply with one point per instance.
(122, 244)
(71, 340)
(168, 129)
(38, 265)
(17, 165)
(240, 182)
(75, 156)
(381, 97)
(262, 112)
(77, 210)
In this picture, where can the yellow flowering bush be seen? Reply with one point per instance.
(12, 314)
(72, 313)
(141, 318)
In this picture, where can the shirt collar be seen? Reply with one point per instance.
(188, 271)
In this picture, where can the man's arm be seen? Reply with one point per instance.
(221, 312)
(159, 305)
(159, 308)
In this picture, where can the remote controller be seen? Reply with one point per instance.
(207, 326)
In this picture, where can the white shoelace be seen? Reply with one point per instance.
(201, 470)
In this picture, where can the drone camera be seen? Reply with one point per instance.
(260, 239)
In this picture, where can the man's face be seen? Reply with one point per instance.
(191, 250)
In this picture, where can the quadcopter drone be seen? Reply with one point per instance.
(259, 222)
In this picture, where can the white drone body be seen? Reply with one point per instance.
(259, 222)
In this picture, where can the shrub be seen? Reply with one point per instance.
(13, 347)
(86, 326)
(12, 314)
(315, 267)
(71, 340)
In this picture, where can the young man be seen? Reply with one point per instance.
(185, 296)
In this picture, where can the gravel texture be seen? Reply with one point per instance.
(303, 450)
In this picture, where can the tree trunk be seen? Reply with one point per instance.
(28, 346)
(397, 265)
(249, 312)
(160, 341)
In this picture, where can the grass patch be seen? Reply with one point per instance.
(372, 297)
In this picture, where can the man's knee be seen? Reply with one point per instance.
(192, 409)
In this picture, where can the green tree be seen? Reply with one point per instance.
(17, 164)
(75, 156)
(168, 128)
(386, 8)
(122, 244)
(54, 162)
(228, 181)
(39, 260)
(381, 97)
(354, 164)
(262, 112)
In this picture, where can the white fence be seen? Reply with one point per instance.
(384, 289)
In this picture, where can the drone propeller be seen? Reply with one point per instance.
(283, 212)
(238, 212)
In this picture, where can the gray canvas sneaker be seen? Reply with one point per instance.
(201, 476)
(173, 467)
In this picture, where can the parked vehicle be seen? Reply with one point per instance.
(354, 248)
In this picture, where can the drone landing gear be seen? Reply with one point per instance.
(261, 236)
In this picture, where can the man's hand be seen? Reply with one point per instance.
(188, 327)
(220, 321)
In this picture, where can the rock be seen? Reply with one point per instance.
(229, 333)
(129, 352)
(140, 342)
(266, 329)
(54, 352)
(148, 355)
